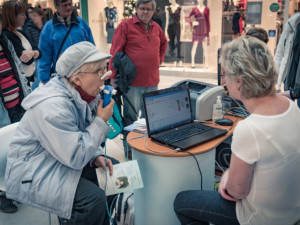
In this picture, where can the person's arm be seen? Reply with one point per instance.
(25, 56)
(223, 189)
(281, 50)
(117, 45)
(100, 162)
(59, 134)
(189, 16)
(292, 94)
(295, 93)
(46, 47)
(239, 178)
(36, 52)
(163, 45)
(207, 21)
(286, 94)
(104, 22)
(19, 67)
(207, 24)
(245, 153)
(167, 19)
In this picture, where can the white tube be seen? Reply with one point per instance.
(108, 73)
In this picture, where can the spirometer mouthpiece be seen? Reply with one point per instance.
(102, 87)
(108, 73)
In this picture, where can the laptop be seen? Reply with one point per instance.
(170, 122)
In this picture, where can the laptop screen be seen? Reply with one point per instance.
(167, 108)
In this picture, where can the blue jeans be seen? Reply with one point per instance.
(202, 207)
(134, 95)
(36, 81)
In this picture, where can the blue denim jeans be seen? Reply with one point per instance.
(134, 95)
(36, 81)
(204, 207)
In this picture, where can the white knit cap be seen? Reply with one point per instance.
(77, 55)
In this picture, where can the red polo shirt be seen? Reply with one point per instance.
(146, 50)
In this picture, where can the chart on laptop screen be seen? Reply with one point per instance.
(167, 110)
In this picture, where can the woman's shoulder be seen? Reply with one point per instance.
(15, 40)
(9, 33)
(29, 26)
(53, 93)
(23, 33)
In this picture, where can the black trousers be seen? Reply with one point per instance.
(174, 32)
(89, 205)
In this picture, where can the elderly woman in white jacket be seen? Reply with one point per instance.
(57, 143)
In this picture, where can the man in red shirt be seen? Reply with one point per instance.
(145, 43)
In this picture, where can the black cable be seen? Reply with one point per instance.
(197, 165)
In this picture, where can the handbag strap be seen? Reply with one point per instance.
(60, 48)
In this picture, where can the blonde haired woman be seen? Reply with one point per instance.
(259, 186)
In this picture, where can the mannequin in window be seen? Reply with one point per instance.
(110, 19)
(237, 24)
(201, 29)
(173, 27)
(161, 4)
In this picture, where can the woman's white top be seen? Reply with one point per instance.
(28, 69)
(272, 144)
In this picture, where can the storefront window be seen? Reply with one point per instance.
(196, 29)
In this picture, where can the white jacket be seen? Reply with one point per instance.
(284, 53)
(56, 138)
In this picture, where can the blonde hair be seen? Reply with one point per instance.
(249, 58)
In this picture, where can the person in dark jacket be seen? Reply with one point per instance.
(34, 27)
(33, 30)
(14, 17)
(126, 71)
(28, 14)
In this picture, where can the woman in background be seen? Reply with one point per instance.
(33, 30)
(13, 89)
(13, 19)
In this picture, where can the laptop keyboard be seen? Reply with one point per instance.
(183, 133)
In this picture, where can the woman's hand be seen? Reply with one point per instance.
(106, 112)
(285, 94)
(100, 162)
(195, 23)
(26, 55)
(222, 187)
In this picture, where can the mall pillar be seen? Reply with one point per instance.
(268, 22)
(215, 35)
(84, 10)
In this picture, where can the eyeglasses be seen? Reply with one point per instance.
(99, 72)
(223, 74)
(146, 9)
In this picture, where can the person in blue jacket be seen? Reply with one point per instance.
(57, 145)
(54, 32)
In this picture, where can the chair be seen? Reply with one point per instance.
(6, 135)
